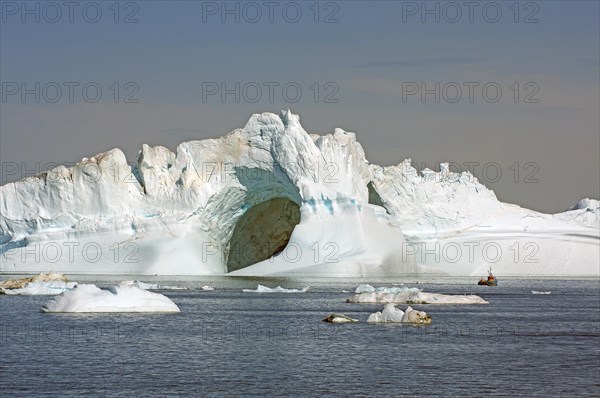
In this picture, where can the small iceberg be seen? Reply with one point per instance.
(406, 295)
(41, 277)
(121, 298)
(278, 289)
(391, 314)
(339, 318)
(392, 290)
(46, 288)
(536, 292)
(207, 288)
(42, 284)
(151, 286)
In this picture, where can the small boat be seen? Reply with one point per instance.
(490, 281)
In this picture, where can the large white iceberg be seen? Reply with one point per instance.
(271, 199)
(121, 298)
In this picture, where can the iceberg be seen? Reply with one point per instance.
(391, 314)
(207, 288)
(278, 289)
(339, 318)
(44, 288)
(537, 292)
(272, 199)
(392, 290)
(413, 296)
(121, 298)
(41, 277)
(151, 286)
(42, 284)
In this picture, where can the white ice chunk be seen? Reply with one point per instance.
(391, 314)
(413, 316)
(121, 298)
(394, 290)
(152, 286)
(278, 289)
(41, 277)
(47, 288)
(415, 296)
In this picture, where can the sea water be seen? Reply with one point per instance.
(230, 343)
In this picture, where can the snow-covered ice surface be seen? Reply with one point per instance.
(121, 298)
(278, 289)
(271, 199)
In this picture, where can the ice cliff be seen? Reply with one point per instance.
(270, 198)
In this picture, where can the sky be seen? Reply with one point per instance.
(508, 90)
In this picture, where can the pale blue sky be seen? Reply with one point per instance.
(370, 54)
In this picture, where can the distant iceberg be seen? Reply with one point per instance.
(41, 277)
(536, 292)
(405, 295)
(152, 286)
(46, 288)
(121, 298)
(392, 290)
(278, 289)
(42, 284)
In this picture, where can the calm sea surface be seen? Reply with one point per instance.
(229, 343)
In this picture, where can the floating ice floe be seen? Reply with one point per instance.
(366, 288)
(48, 288)
(278, 289)
(391, 314)
(41, 277)
(536, 292)
(152, 286)
(207, 288)
(339, 318)
(121, 298)
(41, 284)
(406, 295)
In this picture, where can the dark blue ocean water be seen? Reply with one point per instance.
(229, 343)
